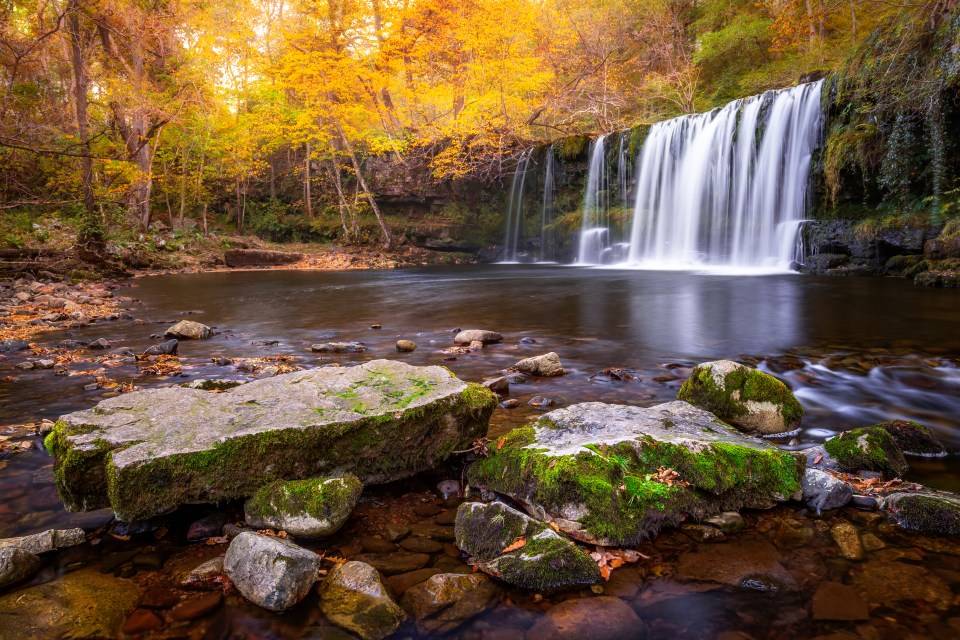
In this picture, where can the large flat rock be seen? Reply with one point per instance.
(148, 452)
(613, 474)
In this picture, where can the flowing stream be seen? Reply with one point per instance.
(855, 351)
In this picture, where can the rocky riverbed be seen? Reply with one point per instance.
(563, 518)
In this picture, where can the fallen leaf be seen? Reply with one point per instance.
(818, 458)
(518, 543)
(500, 443)
(555, 527)
(552, 464)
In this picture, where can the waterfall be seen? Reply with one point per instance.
(594, 232)
(623, 167)
(548, 240)
(727, 187)
(513, 232)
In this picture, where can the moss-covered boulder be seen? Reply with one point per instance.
(519, 550)
(742, 396)
(613, 475)
(353, 597)
(913, 438)
(310, 508)
(867, 449)
(148, 452)
(931, 512)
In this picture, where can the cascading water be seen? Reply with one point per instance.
(548, 239)
(594, 232)
(623, 167)
(513, 233)
(727, 187)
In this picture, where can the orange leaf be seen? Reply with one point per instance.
(605, 571)
(518, 543)
(818, 458)
(500, 443)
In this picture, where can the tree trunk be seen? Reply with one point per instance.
(853, 21)
(387, 240)
(307, 202)
(183, 186)
(335, 170)
(91, 240)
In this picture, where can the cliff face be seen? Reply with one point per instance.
(892, 140)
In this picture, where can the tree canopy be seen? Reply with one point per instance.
(129, 109)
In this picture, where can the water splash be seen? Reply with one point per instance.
(727, 188)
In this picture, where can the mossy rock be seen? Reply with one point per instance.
(913, 438)
(148, 452)
(867, 449)
(310, 508)
(931, 512)
(594, 469)
(544, 561)
(742, 396)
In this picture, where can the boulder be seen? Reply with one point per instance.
(188, 330)
(742, 396)
(79, 604)
(499, 385)
(270, 572)
(148, 452)
(259, 257)
(49, 540)
(927, 511)
(16, 565)
(602, 618)
(445, 601)
(406, 346)
(477, 335)
(353, 598)
(492, 533)
(305, 508)
(822, 490)
(547, 365)
(746, 564)
(10, 346)
(913, 438)
(865, 449)
(163, 349)
(614, 475)
(338, 347)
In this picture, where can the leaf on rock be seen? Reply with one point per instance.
(518, 543)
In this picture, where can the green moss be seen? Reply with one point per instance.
(928, 514)
(547, 561)
(740, 386)
(571, 147)
(397, 443)
(314, 497)
(617, 483)
(867, 449)
(913, 437)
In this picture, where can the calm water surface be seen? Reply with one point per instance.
(855, 351)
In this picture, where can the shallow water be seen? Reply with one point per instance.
(855, 351)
